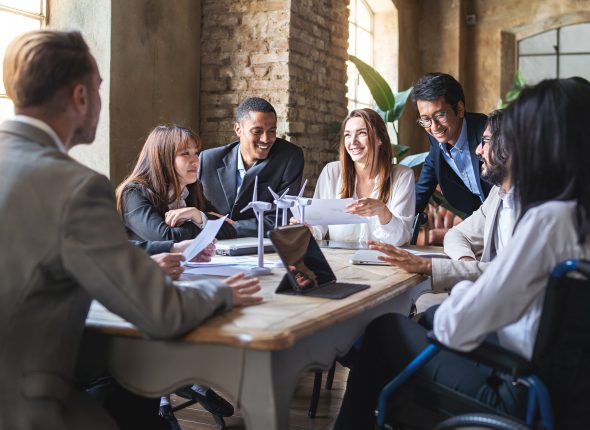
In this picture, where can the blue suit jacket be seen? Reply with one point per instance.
(436, 171)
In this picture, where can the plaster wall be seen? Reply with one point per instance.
(155, 73)
(92, 18)
(519, 19)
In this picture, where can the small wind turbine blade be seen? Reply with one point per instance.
(248, 206)
(275, 195)
(302, 189)
(255, 196)
(285, 193)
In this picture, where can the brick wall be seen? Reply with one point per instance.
(317, 70)
(291, 52)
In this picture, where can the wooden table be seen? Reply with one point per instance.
(254, 354)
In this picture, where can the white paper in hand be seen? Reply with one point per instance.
(328, 212)
(204, 238)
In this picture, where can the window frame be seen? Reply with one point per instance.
(557, 54)
(41, 17)
(352, 96)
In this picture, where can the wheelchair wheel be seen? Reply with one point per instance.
(481, 421)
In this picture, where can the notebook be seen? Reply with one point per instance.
(307, 270)
(241, 246)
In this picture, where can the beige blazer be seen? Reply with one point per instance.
(471, 238)
(64, 245)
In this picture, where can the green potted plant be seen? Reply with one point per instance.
(390, 106)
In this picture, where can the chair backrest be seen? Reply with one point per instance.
(562, 348)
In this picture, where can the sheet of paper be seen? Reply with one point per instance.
(224, 270)
(204, 238)
(234, 261)
(328, 212)
(427, 254)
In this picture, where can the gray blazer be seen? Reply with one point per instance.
(471, 238)
(64, 245)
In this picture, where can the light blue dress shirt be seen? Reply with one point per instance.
(460, 161)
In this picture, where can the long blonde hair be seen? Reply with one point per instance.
(376, 131)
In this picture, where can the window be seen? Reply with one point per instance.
(559, 53)
(360, 44)
(16, 17)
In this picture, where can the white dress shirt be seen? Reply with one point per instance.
(459, 159)
(402, 204)
(43, 126)
(506, 220)
(508, 297)
(241, 171)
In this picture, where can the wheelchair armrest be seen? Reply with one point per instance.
(491, 355)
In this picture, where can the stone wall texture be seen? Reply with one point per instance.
(292, 53)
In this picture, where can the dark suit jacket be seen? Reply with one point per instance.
(436, 171)
(144, 222)
(281, 170)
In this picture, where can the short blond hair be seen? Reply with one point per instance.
(37, 64)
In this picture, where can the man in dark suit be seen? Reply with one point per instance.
(228, 172)
(453, 135)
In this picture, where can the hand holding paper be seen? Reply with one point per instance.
(204, 238)
(329, 212)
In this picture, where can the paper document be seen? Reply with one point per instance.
(233, 261)
(369, 256)
(204, 238)
(426, 254)
(231, 266)
(328, 212)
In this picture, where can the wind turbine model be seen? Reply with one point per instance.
(281, 203)
(301, 201)
(259, 208)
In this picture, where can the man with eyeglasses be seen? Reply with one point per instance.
(472, 244)
(453, 135)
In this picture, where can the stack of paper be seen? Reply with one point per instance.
(227, 266)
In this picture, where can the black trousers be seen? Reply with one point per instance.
(128, 410)
(390, 343)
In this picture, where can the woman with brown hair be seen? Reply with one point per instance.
(382, 192)
(162, 198)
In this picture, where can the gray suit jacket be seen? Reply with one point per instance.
(471, 238)
(64, 245)
(281, 170)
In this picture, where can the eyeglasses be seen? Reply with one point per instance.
(485, 140)
(439, 117)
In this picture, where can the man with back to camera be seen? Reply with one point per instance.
(453, 134)
(484, 233)
(228, 172)
(68, 245)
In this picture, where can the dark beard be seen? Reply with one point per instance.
(494, 174)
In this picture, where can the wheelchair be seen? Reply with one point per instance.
(556, 377)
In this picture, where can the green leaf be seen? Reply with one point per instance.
(414, 160)
(512, 95)
(399, 150)
(519, 80)
(400, 102)
(380, 89)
